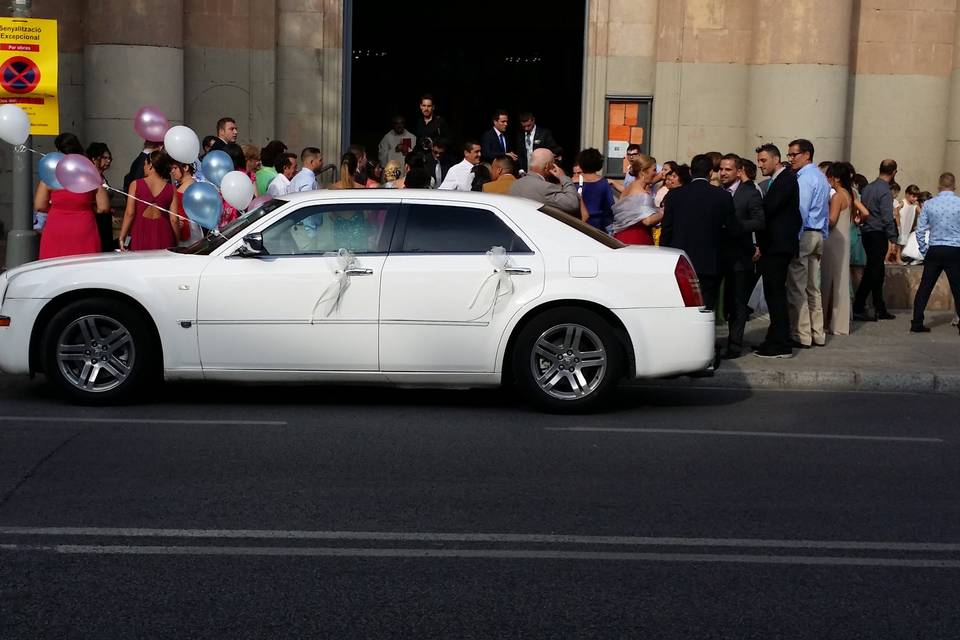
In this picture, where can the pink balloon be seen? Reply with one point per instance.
(150, 124)
(77, 174)
(259, 200)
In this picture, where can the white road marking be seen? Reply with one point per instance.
(512, 554)
(75, 420)
(751, 434)
(522, 538)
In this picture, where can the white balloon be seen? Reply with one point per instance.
(182, 144)
(14, 124)
(237, 189)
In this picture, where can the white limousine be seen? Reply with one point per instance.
(411, 288)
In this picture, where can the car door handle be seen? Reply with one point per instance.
(517, 271)
(359, 271)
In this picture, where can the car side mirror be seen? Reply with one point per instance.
(252, 246)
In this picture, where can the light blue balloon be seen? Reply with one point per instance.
(215, 165)
(202, 204)
(48, 170)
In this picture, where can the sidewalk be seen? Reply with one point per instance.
(876, 356)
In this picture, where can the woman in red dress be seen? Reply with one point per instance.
(150, 226)
(71, 228)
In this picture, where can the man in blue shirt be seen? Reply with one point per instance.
(803, 283)
(941, 217)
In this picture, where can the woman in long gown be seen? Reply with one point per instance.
(71, 228)
(151, 221)
(835, 264)
(635, 214)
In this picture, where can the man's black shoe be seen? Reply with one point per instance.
(919, 329)
(864, 317)
(768, 352)
(731, 354)
(886, 316)
(799, 345)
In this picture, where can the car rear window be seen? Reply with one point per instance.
(582, 227)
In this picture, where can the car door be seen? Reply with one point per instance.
(440, 306)
(310, 304)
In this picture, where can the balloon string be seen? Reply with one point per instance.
(150, 204)
(24, 147)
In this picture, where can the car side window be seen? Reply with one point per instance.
(453, 229)
(325, 229)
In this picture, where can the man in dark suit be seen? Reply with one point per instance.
(693, 219)
(227, 132)
(779, 243)
(737, 249)
(532, 136)
(136, 167)
(439, 162)
(430, 127)
(494, 142)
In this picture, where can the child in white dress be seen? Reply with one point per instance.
(906, 217)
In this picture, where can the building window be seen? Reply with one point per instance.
(628, 122)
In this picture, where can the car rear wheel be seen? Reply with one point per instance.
(98, 351)
(568, 360)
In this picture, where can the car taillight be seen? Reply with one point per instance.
(688, 283)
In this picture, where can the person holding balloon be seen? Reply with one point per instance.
(100, 156)
(150, 219)
(71, 228)
(182, 175)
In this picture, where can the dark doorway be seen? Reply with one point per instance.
(472, 60)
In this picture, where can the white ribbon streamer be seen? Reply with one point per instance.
(335, 290)
(501, 261)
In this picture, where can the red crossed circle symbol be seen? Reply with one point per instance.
(19, 75)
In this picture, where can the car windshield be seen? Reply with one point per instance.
(582, 227)
(215, 239)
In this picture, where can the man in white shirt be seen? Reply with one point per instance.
(306, 180)
(396, 144)
(286, 167)
(459, 177)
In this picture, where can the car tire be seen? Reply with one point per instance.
(567, 360)
(99, 352)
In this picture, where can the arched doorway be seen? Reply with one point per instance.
(473, 60)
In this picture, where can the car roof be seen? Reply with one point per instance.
(472, 197)
(524, 211)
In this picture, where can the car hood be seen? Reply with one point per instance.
(95, 258)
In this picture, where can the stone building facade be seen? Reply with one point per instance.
(863, 79)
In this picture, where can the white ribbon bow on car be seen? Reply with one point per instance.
(501, 261)
(335, 290)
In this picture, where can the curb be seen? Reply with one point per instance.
(821, 380)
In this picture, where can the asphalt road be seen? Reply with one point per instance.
(251, 512)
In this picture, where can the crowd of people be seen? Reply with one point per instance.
(789, 243)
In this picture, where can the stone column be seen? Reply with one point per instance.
(620, 59)
(951, 160)
(310, 75)
(230, 67)
(703, 47)
(799, 76)
(901, 90)
(133, 57)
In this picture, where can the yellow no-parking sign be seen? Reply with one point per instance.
(28, 71)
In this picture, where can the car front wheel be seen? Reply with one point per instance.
(568, 360)
(97, 351)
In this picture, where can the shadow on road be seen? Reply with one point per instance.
(628, 397)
